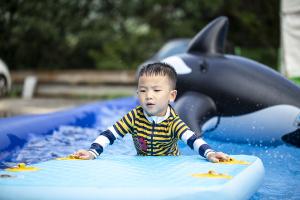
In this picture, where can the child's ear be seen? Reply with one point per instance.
(173, 95)
(137, 93)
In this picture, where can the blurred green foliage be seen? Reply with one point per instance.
(107, 34)
(296, 80)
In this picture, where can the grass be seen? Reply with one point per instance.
(15, 92)
(296, 80)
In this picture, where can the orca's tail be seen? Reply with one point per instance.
(293, 138)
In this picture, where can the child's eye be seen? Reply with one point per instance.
(142, 90)
(157, 90)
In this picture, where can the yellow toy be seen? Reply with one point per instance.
(21, 167)
(212, 174)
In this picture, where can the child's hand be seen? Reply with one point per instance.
(83, 154)
(216, 157)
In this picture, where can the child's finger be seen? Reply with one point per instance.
(76, 154)
(222, 156)
(214, 159)
(228, 158)
(85, 157)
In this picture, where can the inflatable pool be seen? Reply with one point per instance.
(281, 162)
(135, 177)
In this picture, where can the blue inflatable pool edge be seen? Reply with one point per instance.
(134, 177)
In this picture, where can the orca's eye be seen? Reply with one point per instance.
(203, 66)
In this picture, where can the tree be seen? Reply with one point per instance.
(121, 34)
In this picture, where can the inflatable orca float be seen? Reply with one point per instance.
(233, 98)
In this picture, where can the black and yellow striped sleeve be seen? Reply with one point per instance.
(179, 127)
(125, 124)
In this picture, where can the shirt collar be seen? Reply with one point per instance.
(157, 119)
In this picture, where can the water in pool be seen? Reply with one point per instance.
(282, 163)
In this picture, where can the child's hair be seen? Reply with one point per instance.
(159, 68)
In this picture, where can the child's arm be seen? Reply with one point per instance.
(199, 145)
(117, 131)
(103, 140)
(196, 143)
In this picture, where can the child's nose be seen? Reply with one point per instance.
(149, 95)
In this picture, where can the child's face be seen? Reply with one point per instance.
(155, 93)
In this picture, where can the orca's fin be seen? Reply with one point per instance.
(195, 109)
(211, 39)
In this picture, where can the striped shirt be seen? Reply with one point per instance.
(152, 136)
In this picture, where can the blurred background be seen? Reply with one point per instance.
(64, 53)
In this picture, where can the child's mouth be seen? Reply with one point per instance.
(150, 104)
